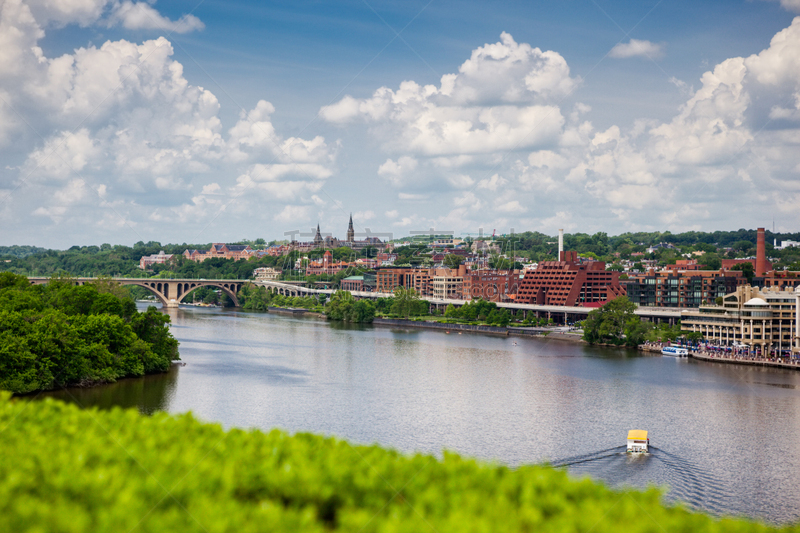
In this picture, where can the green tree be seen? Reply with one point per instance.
(253, 298)
(499, 262)
(694, 336)
(453, 260)
(342, 306)
(61, 334)
(405, 301)
(612, 322)
(747, 270)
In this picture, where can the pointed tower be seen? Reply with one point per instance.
(318, 236)
(351, 234)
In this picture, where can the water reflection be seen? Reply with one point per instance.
(147, 394)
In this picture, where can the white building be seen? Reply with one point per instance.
(763, 320)
(266, 274)
(786, 244)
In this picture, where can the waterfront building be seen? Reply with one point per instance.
(490, 285)
(387, 279)
(691, 288)
(762, 320)
(352, 283)
(569, 282)
(447, 287)
(155, 259)
(419, 279)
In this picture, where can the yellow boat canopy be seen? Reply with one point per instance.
(637, 434)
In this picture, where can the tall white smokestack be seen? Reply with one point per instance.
(560, 243)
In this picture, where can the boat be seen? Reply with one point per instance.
(638, 441)
(675, 351)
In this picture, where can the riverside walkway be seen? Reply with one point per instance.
(744, 360)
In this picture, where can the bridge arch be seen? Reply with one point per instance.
(172, 292)
(154, 288)
(231, 289)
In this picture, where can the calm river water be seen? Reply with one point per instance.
(723, 436)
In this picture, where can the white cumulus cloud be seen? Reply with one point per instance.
(637, 48)
(120, 117)
(142, 16)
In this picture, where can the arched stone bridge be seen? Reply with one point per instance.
(170, 292)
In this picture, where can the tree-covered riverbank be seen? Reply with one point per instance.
(60, 334)
(70, 470)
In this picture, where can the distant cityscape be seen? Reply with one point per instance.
(464, 269)
(745, 302)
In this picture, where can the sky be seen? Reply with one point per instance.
(215, 121)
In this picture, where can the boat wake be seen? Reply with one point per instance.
(685, 482)
(691, 484)
(585, 458)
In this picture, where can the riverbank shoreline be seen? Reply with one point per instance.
(738, 360)
(495, 331)
(96, 384)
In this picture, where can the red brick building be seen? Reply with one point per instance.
(681, 288)
(682, 265)
(352, 283)
(569, 283)
(222, 251)
(155, 259)
(326, 266)
(491, 285)
(419, 279)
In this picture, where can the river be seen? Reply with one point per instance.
(723, 437)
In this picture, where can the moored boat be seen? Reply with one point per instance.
(675, 351)
(638, 441)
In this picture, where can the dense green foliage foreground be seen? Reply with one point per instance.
(61, 334)
(68, 470)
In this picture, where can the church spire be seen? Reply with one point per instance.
(318, 236)
(351, 234)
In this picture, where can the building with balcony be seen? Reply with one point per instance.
(446, 287)
(569, 282)
(419, 279)
(766, 321)
(490, 285)
(670, 288)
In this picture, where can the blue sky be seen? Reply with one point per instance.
(189, 121)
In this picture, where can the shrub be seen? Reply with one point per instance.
(68, 470)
